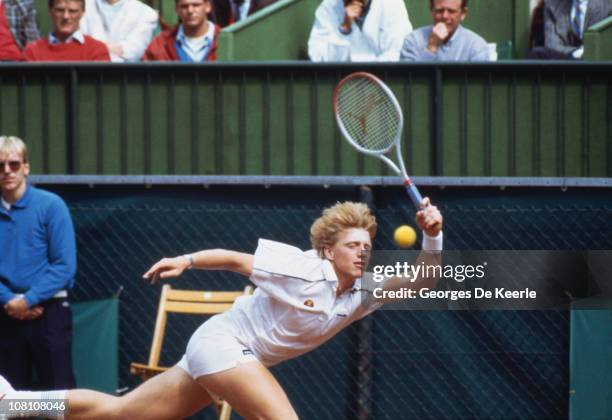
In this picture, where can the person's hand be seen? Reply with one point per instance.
(34, 313)
(115, 49)
(438, 35)
(17, 308)
(352, 11)
(167, 268)
(429, 218)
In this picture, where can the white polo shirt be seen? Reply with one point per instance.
(294, 308)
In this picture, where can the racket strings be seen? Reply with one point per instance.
(368, 114)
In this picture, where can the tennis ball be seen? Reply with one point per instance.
(404, 236)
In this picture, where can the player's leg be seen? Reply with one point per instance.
(170, 395)
(251, 390)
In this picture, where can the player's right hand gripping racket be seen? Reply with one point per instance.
(370, 119)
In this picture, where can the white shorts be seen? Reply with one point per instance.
(213, 348)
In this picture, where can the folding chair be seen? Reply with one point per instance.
(185, 302)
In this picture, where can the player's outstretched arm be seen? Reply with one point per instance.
(430, 221)
(210, 259)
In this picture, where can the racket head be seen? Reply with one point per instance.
(367, 113)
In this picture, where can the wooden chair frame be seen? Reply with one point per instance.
(193, 302)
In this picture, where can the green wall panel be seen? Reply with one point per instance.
(598, 41)
(493, 120)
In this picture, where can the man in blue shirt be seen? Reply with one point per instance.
(446, 39)
(194, 39)
(37, 266)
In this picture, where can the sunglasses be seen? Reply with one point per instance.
(13, 165)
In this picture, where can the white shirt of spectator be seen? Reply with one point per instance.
(77, 36)
(380, 38)
(197, 47)
(294, 308)
(129, 23)
(579, 7)
(5, 203)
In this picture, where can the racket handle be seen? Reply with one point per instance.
(414, 194)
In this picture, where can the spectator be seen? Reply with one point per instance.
(536, 30)
(193, 39)
(125, 26)
(446, 39)
(66, 42)
(226, 12)
(17, 27)
(37, 267)
(358, 30)
(564, 24)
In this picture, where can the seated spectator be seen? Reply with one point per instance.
(125, 26)
(193, 39)
(536, 29)
(17, 27)
(66, 42)
(564, 24)
(446, 39)
(358, 30)
(226, 12)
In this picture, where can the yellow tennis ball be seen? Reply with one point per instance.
(404, 236)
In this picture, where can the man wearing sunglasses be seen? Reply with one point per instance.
(37, 266)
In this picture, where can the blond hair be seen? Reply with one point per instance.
(326, 230)
(12, 144)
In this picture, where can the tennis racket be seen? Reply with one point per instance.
(370, 119)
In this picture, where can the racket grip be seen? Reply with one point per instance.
(414, 194)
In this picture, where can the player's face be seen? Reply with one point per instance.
(192, 13)
(13, 172)
(66, 15)
(448, 12)
(346, 254)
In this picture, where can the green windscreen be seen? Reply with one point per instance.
(95, 349)
(590, 364)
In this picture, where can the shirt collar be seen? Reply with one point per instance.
(330, 275)
(76, 36)
(115, 5)
(5, 204)
(25, 198)
(208, 37)
(329, 272)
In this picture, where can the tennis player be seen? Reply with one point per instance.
(302, 300)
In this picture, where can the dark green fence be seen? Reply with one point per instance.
(524, 119)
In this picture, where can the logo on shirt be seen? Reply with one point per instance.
(309, 303)
(247, 352)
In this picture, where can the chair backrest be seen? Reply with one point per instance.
(193, 302)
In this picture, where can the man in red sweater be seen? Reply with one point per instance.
(66, 42)
(17, 27)
(194, 39)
